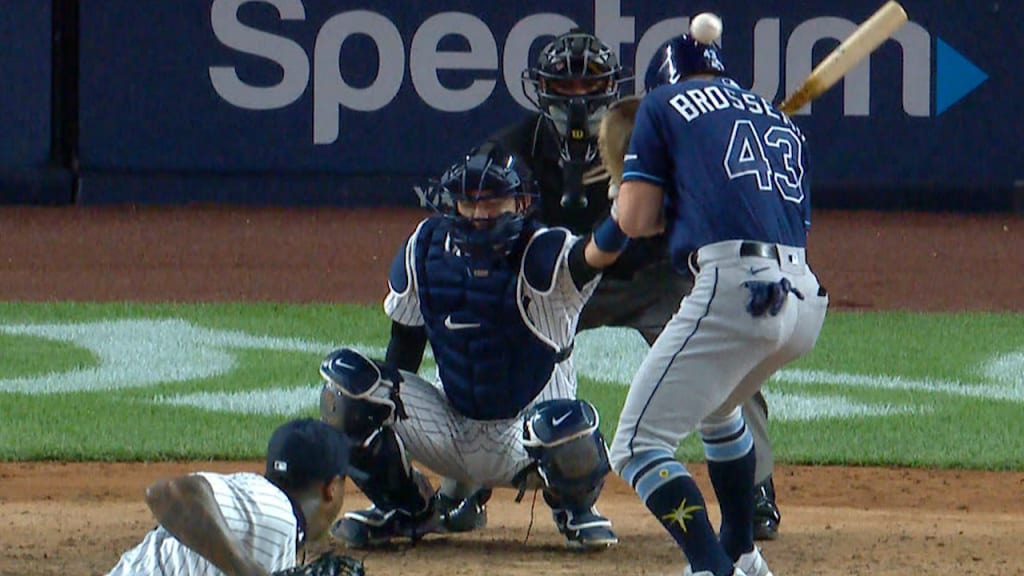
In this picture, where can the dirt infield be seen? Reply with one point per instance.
(72, 519)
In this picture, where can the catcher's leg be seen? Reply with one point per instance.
(571, 457)
(361, 398)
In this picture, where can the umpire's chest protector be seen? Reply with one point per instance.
(490, 363)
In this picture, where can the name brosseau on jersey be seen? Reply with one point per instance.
(694, 102)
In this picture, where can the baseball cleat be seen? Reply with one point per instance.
(375, 527)
(585, 529)
(766, 514)
(462, 515)
(753, 564)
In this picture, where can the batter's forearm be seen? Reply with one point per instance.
(639, 208)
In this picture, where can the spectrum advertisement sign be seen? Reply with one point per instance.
(378, 87)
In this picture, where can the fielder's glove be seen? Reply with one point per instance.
(328, 564)
(613, 138)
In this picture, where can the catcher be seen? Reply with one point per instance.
(497, 295)
(245, 524)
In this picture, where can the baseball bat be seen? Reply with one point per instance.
(850, 52)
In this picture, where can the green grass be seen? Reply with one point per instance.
(28, 355)
(150, 382)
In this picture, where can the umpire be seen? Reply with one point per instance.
(576, 78)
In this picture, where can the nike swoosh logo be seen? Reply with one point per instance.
(629, 157)
(457, 325)
(560, 419)
(344, 365)
(756, 271)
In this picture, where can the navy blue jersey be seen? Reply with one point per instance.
(730, 164)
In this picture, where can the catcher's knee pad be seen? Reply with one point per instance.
(359, 396)
(569, 451)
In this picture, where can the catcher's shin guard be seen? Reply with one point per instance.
(401, 496)
(571, 457)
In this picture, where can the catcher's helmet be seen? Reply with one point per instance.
(487, 174)
(575, 79)
(680, 57)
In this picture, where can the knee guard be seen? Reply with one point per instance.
(568, 450)
(360, 398)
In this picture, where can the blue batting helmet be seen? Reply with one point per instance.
(680, 57)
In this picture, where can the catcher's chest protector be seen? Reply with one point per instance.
(490, 363)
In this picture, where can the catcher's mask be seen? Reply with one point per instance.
(575, 79)
(681, 57)
(487, 197)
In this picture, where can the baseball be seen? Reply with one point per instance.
(706, 28)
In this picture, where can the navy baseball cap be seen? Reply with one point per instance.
(304, 451)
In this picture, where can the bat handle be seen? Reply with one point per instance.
(797, 100)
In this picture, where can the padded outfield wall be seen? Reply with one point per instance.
(354, 102)
(30, 169)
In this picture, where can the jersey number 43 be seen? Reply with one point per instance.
(774, 158)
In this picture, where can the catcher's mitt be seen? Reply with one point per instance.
(614, 134)
(327, 564)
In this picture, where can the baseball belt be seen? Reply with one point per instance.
(747, 248)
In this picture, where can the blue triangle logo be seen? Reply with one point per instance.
(955, 76)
